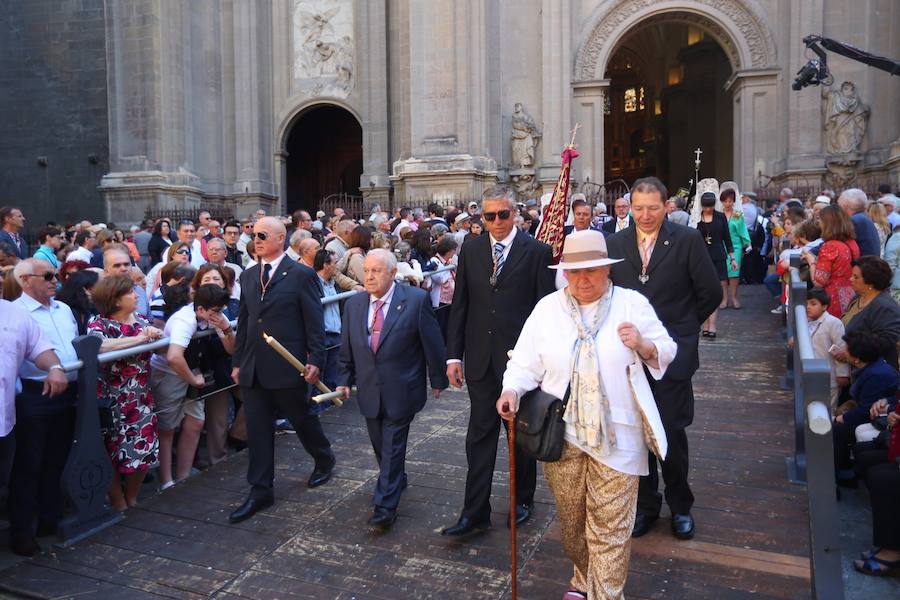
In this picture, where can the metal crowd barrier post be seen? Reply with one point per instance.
(824, 533)
(796, 464)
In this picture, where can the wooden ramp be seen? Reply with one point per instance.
(752, 532)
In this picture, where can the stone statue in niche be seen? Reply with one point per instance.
(845, 119)
(323, 47)
(525, 136)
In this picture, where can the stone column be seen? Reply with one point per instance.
(448, 96)
(754, 92)
(254, 185)
(556, 101)
(372, 82)
(588, 105)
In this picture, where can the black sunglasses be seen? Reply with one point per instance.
(262, 235)
(48, 276)
(503, 214)
(182, 251)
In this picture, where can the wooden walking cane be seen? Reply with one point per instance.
(512, 503)
(295, 362)
(512, 499)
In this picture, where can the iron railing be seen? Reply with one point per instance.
(813, 459)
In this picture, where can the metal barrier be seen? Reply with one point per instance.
(813, 460)
(88, 471)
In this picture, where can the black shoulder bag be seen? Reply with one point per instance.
(540, 429)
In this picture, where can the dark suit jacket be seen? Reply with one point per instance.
(391, 382)
(485, 321)
(292, 313)
(20, 252)
(609, 228)
(683, 287)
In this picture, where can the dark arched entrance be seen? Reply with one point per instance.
(667, 97)
(324, 157)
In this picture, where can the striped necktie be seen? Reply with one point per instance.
(498, 258)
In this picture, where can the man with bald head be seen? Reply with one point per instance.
(390, 339)
(278, 297)
(117, 261)
(853, 202)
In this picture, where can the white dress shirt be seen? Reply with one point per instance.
(23, 340)
(59, 328)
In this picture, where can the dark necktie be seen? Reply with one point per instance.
(267, 272)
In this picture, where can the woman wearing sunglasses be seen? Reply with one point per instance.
(177, 251)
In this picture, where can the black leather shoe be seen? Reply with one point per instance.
(683, 526)
(45, 529)
(24, 545)
(465, 526)
(250, 507)
(523, 513)
(383, 517)
(642, 524)
(320, 474)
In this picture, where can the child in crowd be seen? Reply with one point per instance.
(826, 332)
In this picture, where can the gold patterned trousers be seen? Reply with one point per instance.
(596, 506)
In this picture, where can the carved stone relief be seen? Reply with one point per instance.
(323, 49)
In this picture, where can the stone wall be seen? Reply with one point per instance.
(54, 144)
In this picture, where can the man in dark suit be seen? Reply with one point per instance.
(279, 297)
(581, 216)
(622, 220)
(670, 265)
(389, 339)
(500, 278)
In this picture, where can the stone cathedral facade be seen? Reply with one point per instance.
(282, 103)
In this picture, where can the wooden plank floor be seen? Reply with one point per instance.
(751, 523)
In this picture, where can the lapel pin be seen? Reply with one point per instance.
(666, 243)
(283, 273)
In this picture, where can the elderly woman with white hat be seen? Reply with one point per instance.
(598, 341)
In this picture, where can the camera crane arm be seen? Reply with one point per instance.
(816, 70)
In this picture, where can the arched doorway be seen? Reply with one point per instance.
(666, 97)
(324, 156)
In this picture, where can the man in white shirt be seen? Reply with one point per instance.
(86, 241)
(340, 243)
(44, 425)
(187, 234)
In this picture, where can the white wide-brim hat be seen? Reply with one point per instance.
(583, 250)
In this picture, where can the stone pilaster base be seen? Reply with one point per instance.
(447, 179)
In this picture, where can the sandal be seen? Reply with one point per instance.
(704, 333)
(573, 594)
(878, 567)
(711, 335)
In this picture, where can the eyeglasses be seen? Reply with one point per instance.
(232, 232)
(48, 276)
(247, 225)
(261, 236)
(503, 214)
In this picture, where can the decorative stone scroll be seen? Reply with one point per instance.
(323, 48)
(742, 17)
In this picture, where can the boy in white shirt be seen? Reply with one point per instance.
(826, 332)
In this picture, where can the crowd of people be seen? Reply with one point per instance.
(447, 293)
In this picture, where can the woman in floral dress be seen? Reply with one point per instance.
(131, 435)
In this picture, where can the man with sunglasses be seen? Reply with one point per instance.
(44, 425)
(279, 297)
(501, 276)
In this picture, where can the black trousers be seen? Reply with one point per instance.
(883, 482)
(7, 452)
(481, 451)
(676, 466)
(260, 407)
(43, 437)
(389, 438)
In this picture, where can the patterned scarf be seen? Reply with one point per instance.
(588, 408)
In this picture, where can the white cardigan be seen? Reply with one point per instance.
(543, 357)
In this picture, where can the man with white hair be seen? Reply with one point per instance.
(217, 252)
(298, 236)
(853, 202)
(390, 330)
(889, 201)
(623, 219)
(340, 243)
(44, 425)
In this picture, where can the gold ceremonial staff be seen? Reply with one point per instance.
(285, 353)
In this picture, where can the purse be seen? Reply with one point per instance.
(540, 429)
